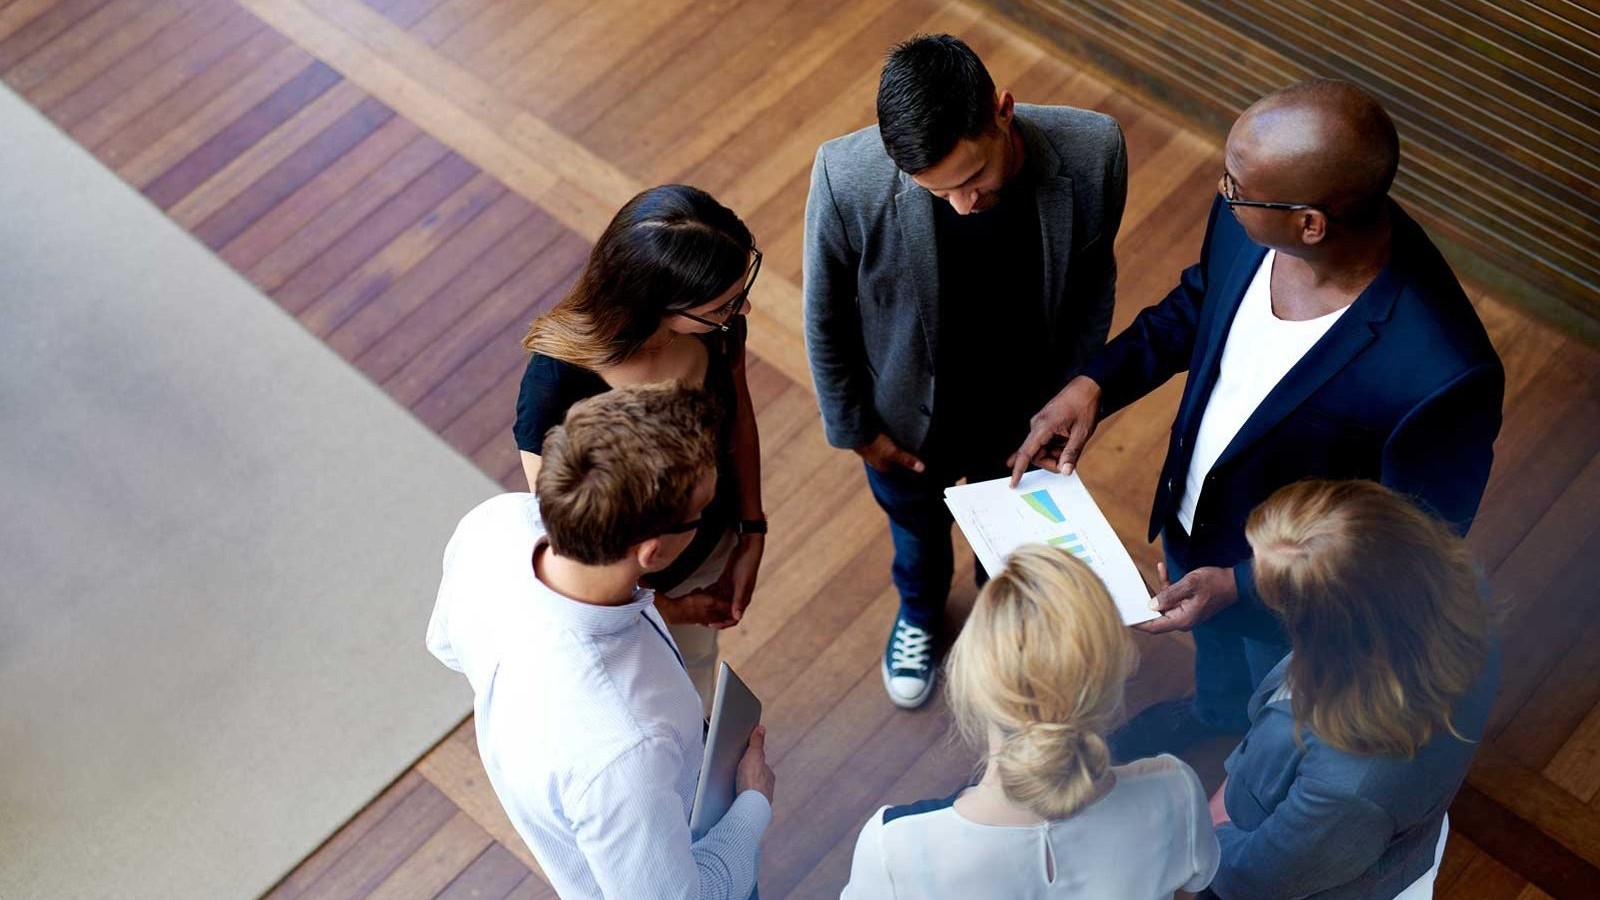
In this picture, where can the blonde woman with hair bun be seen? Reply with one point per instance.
(1036, 679)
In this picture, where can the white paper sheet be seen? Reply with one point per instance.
(1050, 509)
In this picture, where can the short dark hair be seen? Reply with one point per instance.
(623, 468)
(934, 92)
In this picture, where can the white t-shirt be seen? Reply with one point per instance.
(1148, 836)
(1260, 350)
(588, 726)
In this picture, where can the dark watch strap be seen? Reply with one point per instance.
(751, 526)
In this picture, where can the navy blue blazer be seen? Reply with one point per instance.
(1405, 389)
(1314, 821)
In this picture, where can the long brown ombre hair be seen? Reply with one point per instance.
(670, 248)
(1042, 660)
(1383, 606)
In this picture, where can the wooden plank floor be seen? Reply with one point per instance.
(415, 179)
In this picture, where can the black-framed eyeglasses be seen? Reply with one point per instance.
(724, 313)
(684, 527)
(1230, 196)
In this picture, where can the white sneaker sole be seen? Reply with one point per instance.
(913, 702)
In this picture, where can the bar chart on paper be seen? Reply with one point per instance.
(1046, 508)
(1074, 544)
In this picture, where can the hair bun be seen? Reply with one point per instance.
(1052, 767)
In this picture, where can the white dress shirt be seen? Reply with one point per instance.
(588, 727)
(1148, 836)
(1260, 350)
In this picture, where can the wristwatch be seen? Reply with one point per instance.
(751, 526)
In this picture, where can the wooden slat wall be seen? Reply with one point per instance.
(1498, 106)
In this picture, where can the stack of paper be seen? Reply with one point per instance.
(1046, 508)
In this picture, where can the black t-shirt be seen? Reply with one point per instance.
(551, 386)
(991, 329)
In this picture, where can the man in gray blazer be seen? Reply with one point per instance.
(958, 269)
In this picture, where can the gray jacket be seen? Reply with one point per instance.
(872, 276)
(1315, 821)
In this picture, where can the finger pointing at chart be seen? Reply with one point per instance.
(1059, 431)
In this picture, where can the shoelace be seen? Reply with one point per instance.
(911, 648)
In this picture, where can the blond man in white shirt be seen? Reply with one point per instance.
(589, 728)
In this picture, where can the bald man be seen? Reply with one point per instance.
(1324, 337)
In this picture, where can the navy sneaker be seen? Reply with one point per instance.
(908, 667)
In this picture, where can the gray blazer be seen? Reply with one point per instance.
(1313, 821)
(872, 276)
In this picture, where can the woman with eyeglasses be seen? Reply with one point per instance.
(662, 297)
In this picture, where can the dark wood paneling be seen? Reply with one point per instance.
(1498, 106)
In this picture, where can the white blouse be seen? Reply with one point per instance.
(1148, 836)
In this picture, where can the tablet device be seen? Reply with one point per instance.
(735, 712)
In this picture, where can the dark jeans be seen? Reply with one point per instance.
(1227, 666)
(919, 522)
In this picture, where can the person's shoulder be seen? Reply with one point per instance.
(856, 160)
(1342, 775)
(1068, 118)
(513, 516)
(1164, 785)
(558, 374)
(1432, 311)
(916, 813)
(859, 145)
(549, 388)
(1163, 772)
(489, 537)
(1071, 129)
(1441, 334)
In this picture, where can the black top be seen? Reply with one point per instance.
(991, 289)
(551, 386)
(923, 806)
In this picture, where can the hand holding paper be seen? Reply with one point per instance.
(1196, 597)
